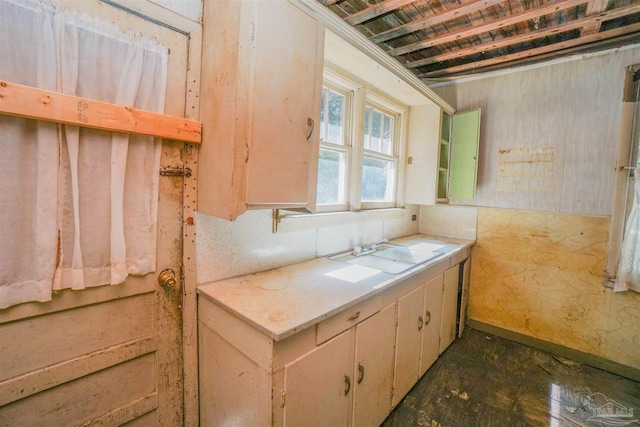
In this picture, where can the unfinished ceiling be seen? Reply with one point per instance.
(444, 39)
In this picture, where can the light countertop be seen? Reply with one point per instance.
(283, 301)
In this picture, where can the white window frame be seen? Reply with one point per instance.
(361, 95)
(335, 85)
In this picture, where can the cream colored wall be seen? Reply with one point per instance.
(541, 274)
(247, 245)
(549, 134)
(545, 184)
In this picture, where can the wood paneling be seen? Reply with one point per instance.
(35, 343)
(87, 398)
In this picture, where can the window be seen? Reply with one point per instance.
(624, 221)
(361, 140)
(334, 150)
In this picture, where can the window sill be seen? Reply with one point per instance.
(284, 223)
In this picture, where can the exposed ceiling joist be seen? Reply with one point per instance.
(446, 38)
(527, 37)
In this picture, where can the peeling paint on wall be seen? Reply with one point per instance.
(527, 169)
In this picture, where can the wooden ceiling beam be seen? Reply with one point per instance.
(453, 13)
(490, 26)
(556, 48)
(376, 10)
(521, 38)
(594, 7)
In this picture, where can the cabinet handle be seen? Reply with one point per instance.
(354, 317)
(420, 323)
(310, 126)
(360, 372)
(347, 384)
(428, 318)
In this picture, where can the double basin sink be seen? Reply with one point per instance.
(387, 257)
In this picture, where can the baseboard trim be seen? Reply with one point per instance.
(559, 350)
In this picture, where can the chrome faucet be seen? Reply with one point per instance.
(367, 248)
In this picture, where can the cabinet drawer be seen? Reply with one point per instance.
(342, 321)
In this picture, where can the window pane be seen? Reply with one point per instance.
(387, 141)
(336, 113)
(376, 131)
(378, 178)
(331, 177)
(367, 128)
(322, 107)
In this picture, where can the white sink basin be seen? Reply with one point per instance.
(393, 259)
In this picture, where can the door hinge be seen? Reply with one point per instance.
(168, 171)
(283, 398)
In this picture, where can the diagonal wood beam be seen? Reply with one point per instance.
(33, 103)
(453, 13)
(556, 48)
(376, 10)
(521, 38)
(490, 26)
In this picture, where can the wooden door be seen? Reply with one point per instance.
(408, 342)
(432, 321)
(375, 339)
(108, 355)
(449, 307)
(319, 385)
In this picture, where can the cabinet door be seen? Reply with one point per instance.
(463, 167)
(432, 322)
(318, 385)
(375, 339)
(449, 307)
(287, 85)
(408, 342)
(421, 172)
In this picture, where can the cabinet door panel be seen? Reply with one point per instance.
(449, 307)
(287, 84)
(375, 339)
(408, 342)
(465, 136)
(316, 386)
(432, 323)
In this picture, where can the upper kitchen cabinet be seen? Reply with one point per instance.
(463, 157)
(442, 155)
(260, 107)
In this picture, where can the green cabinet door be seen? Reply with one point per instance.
(463, 167)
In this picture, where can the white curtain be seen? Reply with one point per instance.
(28, 159)
(628, 274)
(104, 184)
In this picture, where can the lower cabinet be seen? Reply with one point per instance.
(373, 371)
(433, 290)
(408, 342)
(449, 307)
(319, 380)
(349, 370)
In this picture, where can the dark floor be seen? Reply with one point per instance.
(483, 380)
